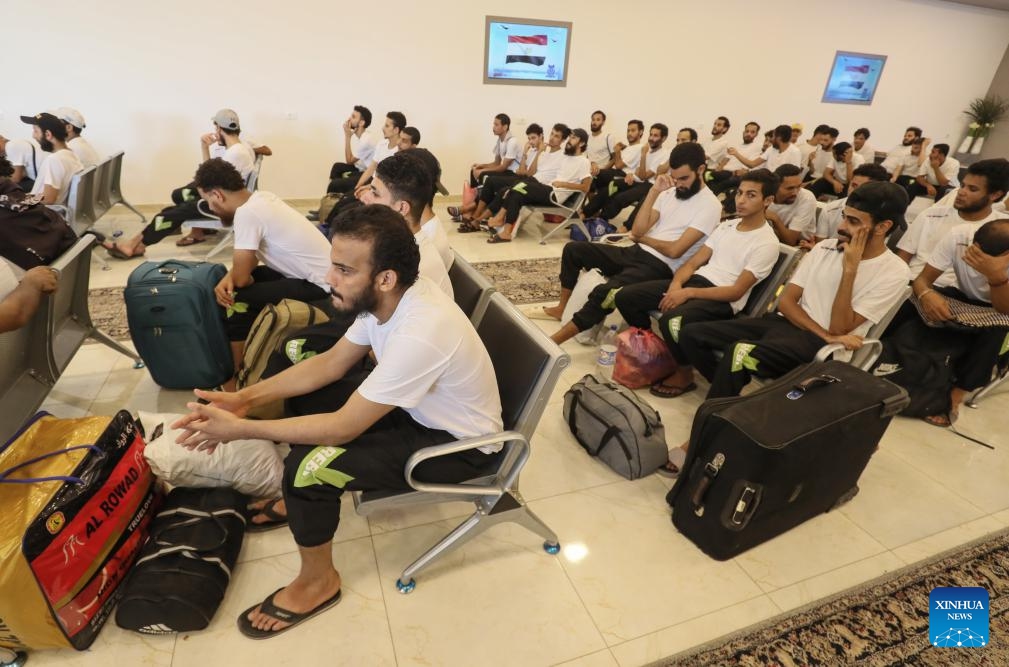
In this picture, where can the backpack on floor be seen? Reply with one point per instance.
(273, 324)
(612, 423)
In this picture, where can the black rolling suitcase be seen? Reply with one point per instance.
(760, 464)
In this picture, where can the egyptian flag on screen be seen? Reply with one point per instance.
(530, 49)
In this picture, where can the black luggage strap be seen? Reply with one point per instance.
(711, 470)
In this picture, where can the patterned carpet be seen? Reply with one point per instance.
(884, 622)
(522, 281)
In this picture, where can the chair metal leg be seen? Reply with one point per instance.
(973, 401)
(575, 220)
(222, 244)
(109, 341)
(527, 519)
(143, 218)
(464, 532)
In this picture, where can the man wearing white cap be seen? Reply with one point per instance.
(80, 146)
(224, 143)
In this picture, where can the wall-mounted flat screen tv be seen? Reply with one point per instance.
(853, 78)
(526, 51)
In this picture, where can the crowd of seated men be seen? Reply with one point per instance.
(706, 221)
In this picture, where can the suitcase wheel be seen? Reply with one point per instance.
(851, 493)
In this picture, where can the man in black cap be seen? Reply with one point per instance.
(841, 288)
(55, 174)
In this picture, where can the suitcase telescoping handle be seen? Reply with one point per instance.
(799, 390)
(711, 470)
(4, 474)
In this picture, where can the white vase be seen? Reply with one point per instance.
(965, 144)
(976, 148)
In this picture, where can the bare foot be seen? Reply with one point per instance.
(554, 312)
(299, 597)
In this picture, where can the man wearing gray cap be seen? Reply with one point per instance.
(55, 174)
(841, 288)
(223, 142)
(80, 146)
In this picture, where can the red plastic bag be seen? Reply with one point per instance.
(468, 194)
(642, 359)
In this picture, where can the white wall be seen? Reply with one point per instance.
(148, 76)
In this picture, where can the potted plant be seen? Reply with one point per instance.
(984, 112)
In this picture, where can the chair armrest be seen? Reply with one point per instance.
(465, 445)
(575, 205)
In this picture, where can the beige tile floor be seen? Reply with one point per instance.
(625, 590)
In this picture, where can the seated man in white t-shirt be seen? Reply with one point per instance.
(818, 161)
(278, 253)
(717, 144)
(782, 151)
(793, 213)
(841, 288)
(714, 283)
(26, 157)
(634, 173)
(830, 215)
(561, 172)
(985, 183)
(838, 173)
(395, 123)
(81, 147)
(939, 174)
(678, 213)
(862, 146)
(430, 226)
(19, 299)
(185, 200)
(358, 147)
(507, 154)
(727, 172)
(55, 174)
(895, 156)
(434, 383)
(979, 258)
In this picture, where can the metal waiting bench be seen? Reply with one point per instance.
(527, 364)
(568, 209)
(34, 357)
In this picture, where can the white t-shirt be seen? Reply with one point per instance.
(867, 152)
(631, 156)
(805, 150)
(775, 158)
(925, 232)
(509, 151)
(435, 233)
(821, 160)
(950, 168)
(702, 212)
(733, 252)
(841, 169)
(599, 148)
(800, 215)
(948, 254)
(573, 169)
(897, 156)
(241, 157)
(829, 219)
(432, 266)
(714, 149)
(879, 282)
(57, 172)
(653, 159)
(8, 279)
(20, 154)
(383, 150)
(282, 238)
(432, 364)
(548, 165)
(362, 147)
(750, 151)
(84, 151)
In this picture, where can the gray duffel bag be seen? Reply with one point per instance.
(609, 421)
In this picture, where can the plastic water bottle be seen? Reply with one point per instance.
(607, 355)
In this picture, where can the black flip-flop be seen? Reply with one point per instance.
(276, 519)
(498, 239)
(668, 391)
(466, 228)
(187, 241)
(267, 607)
